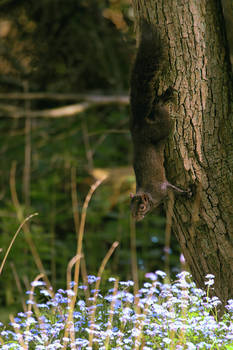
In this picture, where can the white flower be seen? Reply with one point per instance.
(37, 283)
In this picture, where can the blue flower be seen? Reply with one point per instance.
(151, 276)
(37, 283)
(209, 283)
(162, 274)
(126, 284)
(81, 342)
(229, 307)
(70, 292)
(165, 308)
(92, 279)
(83, 287)
(111, 279)
(45, 292)
(42, 306)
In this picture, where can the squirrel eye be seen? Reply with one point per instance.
(142, 206)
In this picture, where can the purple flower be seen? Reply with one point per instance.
(151, 276)
(182, 259)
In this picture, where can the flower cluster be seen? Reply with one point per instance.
(160, 315)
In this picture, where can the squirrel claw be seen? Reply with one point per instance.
(189, 193)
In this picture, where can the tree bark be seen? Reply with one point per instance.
(200, 152)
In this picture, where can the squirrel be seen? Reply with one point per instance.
(150, 124)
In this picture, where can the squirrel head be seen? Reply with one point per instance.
(141, 204)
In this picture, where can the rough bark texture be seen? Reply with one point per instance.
(200, 151)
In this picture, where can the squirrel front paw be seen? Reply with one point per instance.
(169, 95)
(189, 193)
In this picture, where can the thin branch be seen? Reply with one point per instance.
(71, 110)
(65, 111)
(61, 96)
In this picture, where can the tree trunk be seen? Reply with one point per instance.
(200, 151)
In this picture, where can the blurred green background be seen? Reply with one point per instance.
(68, 47)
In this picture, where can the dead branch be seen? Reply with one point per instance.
(66, 111)
(60, 96)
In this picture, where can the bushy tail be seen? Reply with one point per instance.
(146, 71)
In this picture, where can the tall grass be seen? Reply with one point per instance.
(13, 239)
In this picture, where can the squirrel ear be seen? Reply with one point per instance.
(131, 195)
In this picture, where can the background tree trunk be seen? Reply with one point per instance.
(200, 152)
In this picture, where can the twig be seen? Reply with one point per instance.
(59, 112)
(65, 111)
(123, 99)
